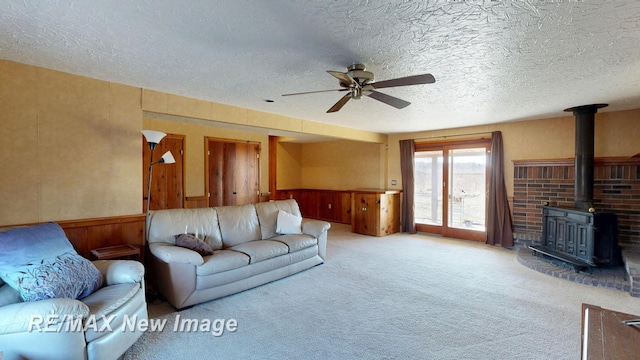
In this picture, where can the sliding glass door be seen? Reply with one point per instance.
(451, 188)
(428, 187)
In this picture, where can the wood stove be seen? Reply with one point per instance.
(581, 236)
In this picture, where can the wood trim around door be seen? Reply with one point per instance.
(444, 229)
(273, 164)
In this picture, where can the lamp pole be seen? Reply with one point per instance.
(153, 139)
(146, 218)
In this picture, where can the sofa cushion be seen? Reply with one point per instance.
(165, 224)
(103, 303)
(109, 298)
(191, 242)
(296, 242)
(268, 215)
(288, 223)
(238, 224)
(222, 260)
(262, 250)
(40, 262)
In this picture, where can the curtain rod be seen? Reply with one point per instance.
(448, 136)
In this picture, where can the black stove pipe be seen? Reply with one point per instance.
(583, 179)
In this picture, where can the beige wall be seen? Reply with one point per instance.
(616, 134)
(343, 165)
(71, 145)
(289, 166)
(67, 146)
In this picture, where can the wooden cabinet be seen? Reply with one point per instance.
(375, 212)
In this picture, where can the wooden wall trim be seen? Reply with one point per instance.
(570, 162)
(548, 162)
(67, 224)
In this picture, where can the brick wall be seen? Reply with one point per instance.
(537, 182)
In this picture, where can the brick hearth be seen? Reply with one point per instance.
(551, 182)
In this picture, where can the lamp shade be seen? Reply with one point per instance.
(152, 136)
(167, 158)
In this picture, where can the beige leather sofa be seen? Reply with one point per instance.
(248, 251)
(25, 335)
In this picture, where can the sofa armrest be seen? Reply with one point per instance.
(120, 271)
(175, 254)
(33, 316)
(315, 228)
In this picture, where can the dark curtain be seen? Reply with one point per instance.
(499, 226)
(407, 152)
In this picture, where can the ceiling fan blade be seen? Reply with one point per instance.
(313, 92)
(409, 80)
(389, 100)
(340, 103)
(343, 77)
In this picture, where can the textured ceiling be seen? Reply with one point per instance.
(494, 61)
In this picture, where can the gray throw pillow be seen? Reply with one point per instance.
(190, 241)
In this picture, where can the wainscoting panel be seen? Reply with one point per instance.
(88, 234)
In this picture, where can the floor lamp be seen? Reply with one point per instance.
(153, 139)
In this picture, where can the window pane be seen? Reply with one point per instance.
(428, 187)
(467, 188)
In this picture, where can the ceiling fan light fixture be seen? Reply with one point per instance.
(358, 81)
(356, 93)
(359, 73)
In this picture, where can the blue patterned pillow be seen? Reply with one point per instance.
(40, 263)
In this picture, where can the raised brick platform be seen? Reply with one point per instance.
(631, 259)
(606, 277)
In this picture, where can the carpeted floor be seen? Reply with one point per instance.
(397, 297)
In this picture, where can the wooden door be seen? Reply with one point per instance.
(246, 173)
(233, 171)
(167, 184)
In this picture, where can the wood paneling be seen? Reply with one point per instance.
(88, 234)
(328, 205)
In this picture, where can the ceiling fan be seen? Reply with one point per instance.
(358, 81)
